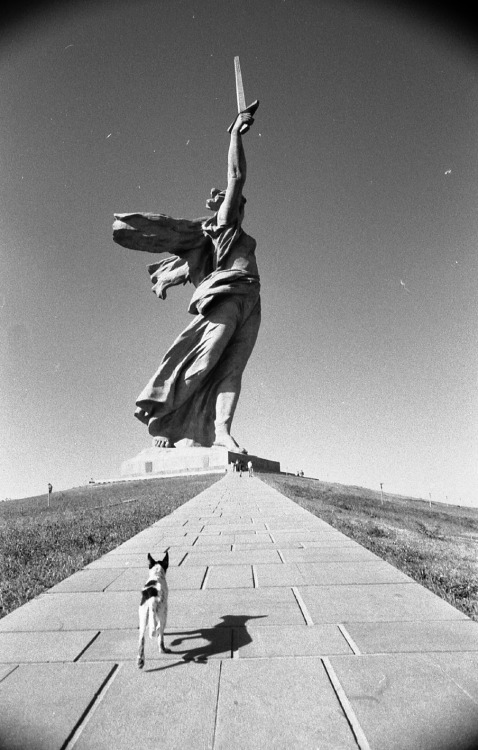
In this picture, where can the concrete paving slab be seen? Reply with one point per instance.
(88, 611)
(163, 541)
(21, 648)
(138, 559)
(255, 537)
(216, 540)
(225, 521)
(134, 579)
(192, 527)
(341, 553)
(229, 576)
(363, 571)
(201, 644)
(6, 669)
(405, 701)
(86, 580)
(208, 547)
(278, 575)
(206, 531)
(420, 637)
(376, 603)
(251, 557)
(235, 528)
(462, 668)
(256, 641)
(42, 703)
(214, 607)
(192, 645)
(279, 703)
(243, 546)
(190, 514)
(168, 542)
(164, 706)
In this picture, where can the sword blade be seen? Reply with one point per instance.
(241, 99)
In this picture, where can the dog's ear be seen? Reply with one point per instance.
(165, 562)
(151, 561)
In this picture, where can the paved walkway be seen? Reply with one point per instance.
(284, 634)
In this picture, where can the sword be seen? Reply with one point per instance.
(241, 99)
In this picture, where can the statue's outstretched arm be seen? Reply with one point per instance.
(158, 233)
(236, 173)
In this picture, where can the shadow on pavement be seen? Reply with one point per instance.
(228, 635)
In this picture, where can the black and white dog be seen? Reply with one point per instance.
(154, 605)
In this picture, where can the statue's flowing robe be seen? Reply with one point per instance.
(209, 356)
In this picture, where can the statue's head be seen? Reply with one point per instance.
(217, 198)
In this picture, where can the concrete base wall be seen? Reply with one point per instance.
(156, 461)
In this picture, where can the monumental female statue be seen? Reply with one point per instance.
(194, 393)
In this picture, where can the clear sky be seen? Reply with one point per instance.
(362, 196)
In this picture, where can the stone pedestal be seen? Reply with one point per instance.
(168, 461)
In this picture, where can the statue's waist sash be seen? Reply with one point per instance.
(222, 283)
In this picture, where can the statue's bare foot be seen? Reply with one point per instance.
(159, 440)
(227, 441)
(163, 442)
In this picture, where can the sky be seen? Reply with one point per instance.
(362, 196)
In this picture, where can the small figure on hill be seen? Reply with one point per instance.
(250, 468)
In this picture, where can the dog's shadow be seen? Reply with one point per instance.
(226, 637)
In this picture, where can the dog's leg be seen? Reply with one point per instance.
(161, 615)
(143, 620)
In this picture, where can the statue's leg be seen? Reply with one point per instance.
(187, 365)
(229, 378)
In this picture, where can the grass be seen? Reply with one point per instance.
(42, 545)
(436, 546)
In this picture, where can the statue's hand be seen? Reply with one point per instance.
(242, 123)
(248, 111)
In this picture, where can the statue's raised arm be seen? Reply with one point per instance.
(231, 207)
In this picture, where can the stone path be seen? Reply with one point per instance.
(284, 634)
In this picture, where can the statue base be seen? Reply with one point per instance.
(153, 462)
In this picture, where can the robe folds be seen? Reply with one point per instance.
(209, 356)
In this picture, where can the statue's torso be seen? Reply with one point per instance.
(233, 249)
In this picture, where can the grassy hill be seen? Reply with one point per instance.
(41, 545)
(437, 546)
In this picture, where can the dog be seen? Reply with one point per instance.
(154, 606)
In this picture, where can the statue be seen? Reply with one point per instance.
(194, 393)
